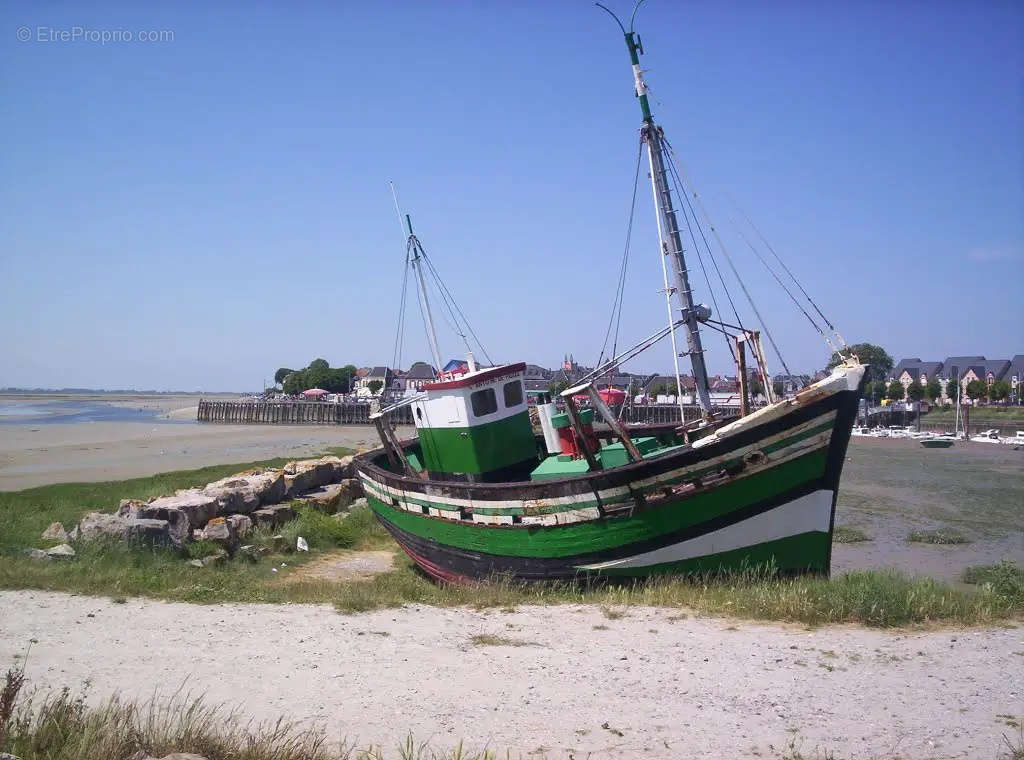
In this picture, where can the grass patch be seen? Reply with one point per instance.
(118, 570)
(203, 548)
(1005, 579)
(845, 535)
(489, 640)
(940, 536)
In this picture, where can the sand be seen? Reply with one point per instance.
(672, 687)
(40, 454)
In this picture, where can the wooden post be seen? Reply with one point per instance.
(574, 420)
(741, 364)
(613, 423)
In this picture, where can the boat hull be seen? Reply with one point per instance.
(760, 490)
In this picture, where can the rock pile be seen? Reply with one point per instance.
(224, 511)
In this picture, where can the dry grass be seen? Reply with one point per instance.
(940, 536)
(846, 535)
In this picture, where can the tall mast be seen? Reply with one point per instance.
(414, 250)
(671, 241)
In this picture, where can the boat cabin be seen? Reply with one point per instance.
(474, 426)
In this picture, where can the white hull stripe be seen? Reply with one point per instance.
(804, 514)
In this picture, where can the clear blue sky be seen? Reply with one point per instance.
(192, 214)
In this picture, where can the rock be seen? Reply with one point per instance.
(271, 517)
(233, 495)
(64, 551)
(179, 529)
(223, 532)
(269, 486)
(141, 755)
(8, 756)
(252, 552)
(102, 525)
(196, 563)
(241, 523)
(99, 525)
(308, 474)
(152, 531)
(281, 543)
(55, 532)
(333, 496)
(129, 507)
(360, 502)
(197, 506)
(38, 554)
(215, 559)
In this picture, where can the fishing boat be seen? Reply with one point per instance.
(480, 493)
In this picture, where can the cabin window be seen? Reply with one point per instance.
(484, 402)
(513, 394)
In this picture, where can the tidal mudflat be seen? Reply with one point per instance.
(891, 488)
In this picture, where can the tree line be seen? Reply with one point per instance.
(319, 374)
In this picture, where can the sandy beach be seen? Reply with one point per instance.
(650, 684)
(34, 454)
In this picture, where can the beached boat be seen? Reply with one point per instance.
(938, 442)
(480, 493)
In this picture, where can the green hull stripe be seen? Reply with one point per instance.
(603, 534)
(805, 551)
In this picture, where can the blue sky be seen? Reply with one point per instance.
(193, 213)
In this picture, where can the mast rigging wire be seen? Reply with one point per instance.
(785, 288)
(616, 315)
(792, 276)
(736, 274)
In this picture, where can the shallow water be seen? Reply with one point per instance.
(892, 487)
(65, 412)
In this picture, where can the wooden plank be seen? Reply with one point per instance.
(613, 423)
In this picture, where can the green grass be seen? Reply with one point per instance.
(117, 570)
(26, 514)
(845, 535)
(1005, 579)
(979, 415)
(940, 536)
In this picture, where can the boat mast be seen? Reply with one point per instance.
(416, 262)
(654, 137)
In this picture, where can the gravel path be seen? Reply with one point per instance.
(649, 684)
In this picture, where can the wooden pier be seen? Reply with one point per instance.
(291, 413)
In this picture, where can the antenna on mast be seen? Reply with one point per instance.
(669, 238)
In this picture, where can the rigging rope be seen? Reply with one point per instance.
(454, 303)
(792, 276)
(616, 315)
(788, 291)
(736, 274)
(700, 258)
(396, 358)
